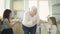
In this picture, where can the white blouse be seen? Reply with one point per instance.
(30, 21)
(45, 29)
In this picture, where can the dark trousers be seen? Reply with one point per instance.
(29, 30)
(7, 31)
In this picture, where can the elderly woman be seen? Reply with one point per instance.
(30, 21)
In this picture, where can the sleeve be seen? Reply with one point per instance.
(26, 18)
(6, 20)
(38, 19)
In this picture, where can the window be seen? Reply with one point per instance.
(43, 10)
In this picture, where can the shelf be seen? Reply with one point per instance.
(57, 4)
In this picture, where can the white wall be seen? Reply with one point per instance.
(4, 4)
(1, 7)
(26, 2)
(7, 4)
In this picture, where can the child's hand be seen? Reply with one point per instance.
(17, 21)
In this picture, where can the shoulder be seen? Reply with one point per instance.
(54, 27)
(26, 13)
(5, 20)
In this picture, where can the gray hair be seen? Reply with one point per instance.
(33, 8)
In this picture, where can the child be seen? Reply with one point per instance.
(52, 28)
(7, 24)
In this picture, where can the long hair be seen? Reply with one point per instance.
(6, 14)
(53, 19)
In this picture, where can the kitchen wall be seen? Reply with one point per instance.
(56, 9)
(18, 8)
